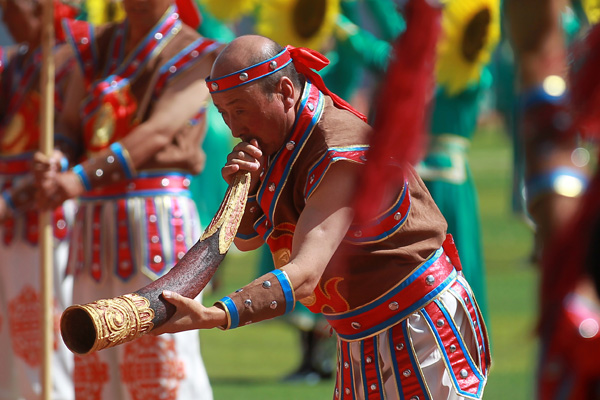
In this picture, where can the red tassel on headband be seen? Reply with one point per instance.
(305, 60)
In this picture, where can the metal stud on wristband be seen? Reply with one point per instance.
(112, 165)
(267, 297)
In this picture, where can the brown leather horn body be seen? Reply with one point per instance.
(110, 322)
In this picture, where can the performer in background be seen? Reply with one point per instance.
(564, 208)
(305, 148)
(20, 274)
(133, 125)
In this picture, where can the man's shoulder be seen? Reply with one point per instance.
(341, 127)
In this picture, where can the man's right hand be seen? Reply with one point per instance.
(245, 157)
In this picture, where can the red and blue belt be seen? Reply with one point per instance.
(422, 286)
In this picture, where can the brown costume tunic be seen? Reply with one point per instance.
(372, 259)
(406, 321)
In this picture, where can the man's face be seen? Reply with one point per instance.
(146, 11)
(23, 19)
(250, 114)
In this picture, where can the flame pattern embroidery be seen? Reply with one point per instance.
(327, 299)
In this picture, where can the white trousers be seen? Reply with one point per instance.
(20, 323)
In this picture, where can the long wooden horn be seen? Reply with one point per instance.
(107, 323)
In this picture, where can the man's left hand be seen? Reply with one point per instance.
(190, 314)
(57, 187)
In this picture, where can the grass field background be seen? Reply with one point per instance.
(248, 363)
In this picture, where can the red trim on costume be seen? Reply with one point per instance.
(384, 225)
(166, 183)
(156, 257)
(370, 360)
(96, 269)
(125, 260)
(323, 165)
(378, 311)
(192, 55)
(277, 175)
(80, 36)
(477, 321)
(408, 377)
(345, 387)
(75, 261)
(15, 167)
(249, 74)
(177, 225)
(32, 227)
(458, 359)
(9, 230)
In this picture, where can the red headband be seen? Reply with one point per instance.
(305, 60)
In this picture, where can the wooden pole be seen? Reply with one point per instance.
(45, 222)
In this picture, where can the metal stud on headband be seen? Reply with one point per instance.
(249, 74)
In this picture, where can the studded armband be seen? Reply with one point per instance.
(252, 212)
(111, 165)
(19, 199)
(267, 297)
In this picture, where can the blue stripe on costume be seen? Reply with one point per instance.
(363, 370)
(78, 169)
(297, 149)
(250, 67)
(165, 68)
(233, 312)
(463, 347)
(117, 148)
(331, 161)
(416, 370)
(286, 286)
(392, 349)
(410, 279)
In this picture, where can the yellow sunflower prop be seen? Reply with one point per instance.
(592, 10)
(229, 10)
(300, 23)
(470, 31)
(103, 11)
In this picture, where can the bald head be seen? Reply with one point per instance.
(245, 51)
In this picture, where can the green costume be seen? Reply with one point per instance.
(445, 170)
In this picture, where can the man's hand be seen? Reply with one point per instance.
(190, 315)
(53, 186)
(245, 157)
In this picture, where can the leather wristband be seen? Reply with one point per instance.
(267, 297)
(111, 165)
(19, 198)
